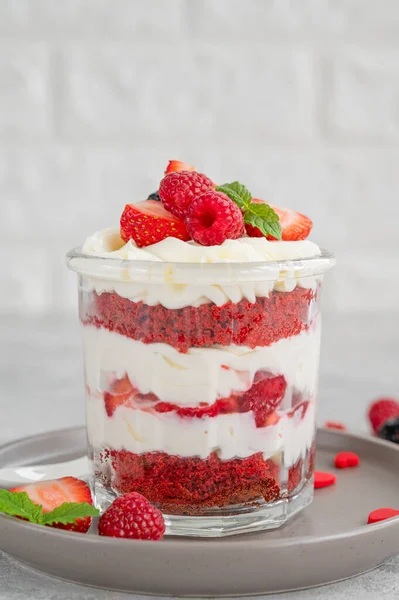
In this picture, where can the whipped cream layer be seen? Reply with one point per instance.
(201, 374)
(181, 283)
(231, 435)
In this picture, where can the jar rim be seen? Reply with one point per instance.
(118, 269)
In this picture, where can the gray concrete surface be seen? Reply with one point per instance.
(41, 388)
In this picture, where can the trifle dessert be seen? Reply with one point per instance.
(201, 328)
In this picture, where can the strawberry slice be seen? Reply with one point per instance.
(148, 222)
(54, 492)
(294, 225)
(119, 395)
(175, 166)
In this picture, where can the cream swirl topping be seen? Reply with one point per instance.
(107, 243)
(176, 275)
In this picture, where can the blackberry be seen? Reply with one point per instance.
(154, 196)
(390, 430)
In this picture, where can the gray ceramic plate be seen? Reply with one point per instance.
(326, 542)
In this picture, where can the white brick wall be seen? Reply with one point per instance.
(298, 99)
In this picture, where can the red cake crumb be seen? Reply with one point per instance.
(192, 485)
(281, 315)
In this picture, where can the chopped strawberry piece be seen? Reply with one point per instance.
(381, 514)
(148, 222)
(54, 492)
(120, 395)
(294, 225)
(175, 166)
(323, 479)
(344, 460)
(272, 419)
(264, 397)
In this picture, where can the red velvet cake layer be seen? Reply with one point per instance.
(281, 315)
(192, 485)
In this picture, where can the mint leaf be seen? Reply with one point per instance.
(260, 215)
(18, 504)
(237, 192)
(68, 512)
(264, 218)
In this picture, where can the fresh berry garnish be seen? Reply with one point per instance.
(294, 225)
(381, 411)
(64, 503)
(132, 516)
(390, 430)
(120, 394)
(344, 460)
(381, 514)
(323, 479)
(176, 166)
(154, 196)
(257, 214)
(213, 218)
(148, 222)
(264, 397)
(334, 425)
(178, 190)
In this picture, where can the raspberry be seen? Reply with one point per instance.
(177, 190)
(381, 410)
(132, 516)
(213, 218)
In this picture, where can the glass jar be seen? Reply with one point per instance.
(201, 387)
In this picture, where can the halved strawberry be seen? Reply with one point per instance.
(294, 225)
(54, 492)
(177, 165)
(148, 222)
(119, 395)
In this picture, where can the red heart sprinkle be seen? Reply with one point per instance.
(380, 514)
(323, 479)
(334, 425)
(343, 460)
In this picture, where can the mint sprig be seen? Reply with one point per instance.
(18, 504)
(257, 214)
(237, 192)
